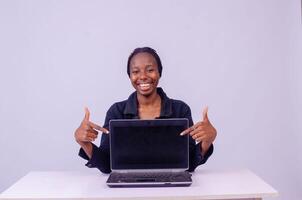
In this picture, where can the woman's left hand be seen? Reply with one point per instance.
(203, 132)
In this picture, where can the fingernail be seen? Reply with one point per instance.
(182, 133)
(107, 132)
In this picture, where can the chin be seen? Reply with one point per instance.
(146, 93)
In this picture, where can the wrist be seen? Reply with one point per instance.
(83, 144)
(204, 147)
(87, 147)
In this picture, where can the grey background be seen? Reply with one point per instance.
(242, 58)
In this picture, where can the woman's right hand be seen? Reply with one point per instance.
(88, 131)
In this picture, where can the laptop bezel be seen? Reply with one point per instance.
(147, 121)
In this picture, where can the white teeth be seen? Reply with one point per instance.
(144, 84)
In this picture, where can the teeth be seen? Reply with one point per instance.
(145, 86)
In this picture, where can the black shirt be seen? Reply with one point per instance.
(170, 108)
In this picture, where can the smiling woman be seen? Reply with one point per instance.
(144, 76)
(144, 69)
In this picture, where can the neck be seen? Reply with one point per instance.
(148, 100)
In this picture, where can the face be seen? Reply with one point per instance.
(144, 74)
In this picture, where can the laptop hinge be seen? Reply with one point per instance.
(147, 170)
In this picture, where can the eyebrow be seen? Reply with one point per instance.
(134, 67)
(137, 67)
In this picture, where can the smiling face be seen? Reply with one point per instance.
(144, 74)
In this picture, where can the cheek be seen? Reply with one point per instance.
(132, 80)
(156, 77)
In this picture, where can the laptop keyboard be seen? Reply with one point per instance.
(149, 177)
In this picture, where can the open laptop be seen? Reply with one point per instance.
(147, 153)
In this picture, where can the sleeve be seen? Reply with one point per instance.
(100, 155)
(195, 157)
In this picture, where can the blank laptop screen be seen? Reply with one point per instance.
(149, 144)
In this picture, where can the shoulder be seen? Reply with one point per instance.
(177, 106)
(180, 108)
(117, 107)
(116, 110)
(180, 103)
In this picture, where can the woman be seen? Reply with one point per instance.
(144, 69)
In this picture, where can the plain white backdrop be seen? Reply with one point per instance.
(242, 58)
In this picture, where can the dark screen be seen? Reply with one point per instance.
(149, 145)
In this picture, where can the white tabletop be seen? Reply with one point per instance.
(207, 184)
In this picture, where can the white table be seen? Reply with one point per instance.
(207, 184)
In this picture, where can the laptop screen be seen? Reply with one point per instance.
(149, 144)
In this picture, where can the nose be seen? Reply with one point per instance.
(142, 75)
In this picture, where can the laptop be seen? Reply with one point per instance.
(149, 153)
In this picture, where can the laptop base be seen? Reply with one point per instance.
(154, 179)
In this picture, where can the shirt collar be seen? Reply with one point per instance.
(166, 105)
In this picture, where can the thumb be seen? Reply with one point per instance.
(87, 114)
(205, 114)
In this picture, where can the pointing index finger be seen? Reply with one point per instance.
(97, 127)
(188, 130)
(192, 128)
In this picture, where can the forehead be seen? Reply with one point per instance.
(142, 58)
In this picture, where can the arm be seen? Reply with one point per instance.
(200, 152)
(203, 132)
(85, 135)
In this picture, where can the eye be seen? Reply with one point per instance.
(150, 69)
(134, 72)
